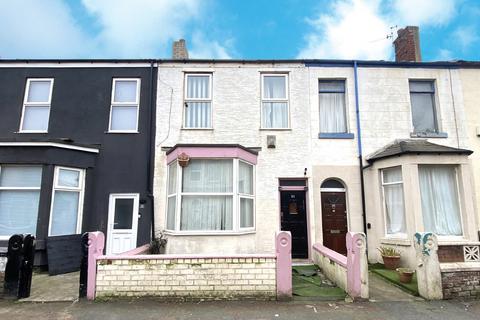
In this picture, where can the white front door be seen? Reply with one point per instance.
(122, 222)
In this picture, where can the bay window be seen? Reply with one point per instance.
(210, 195)
(440, 203)
(19, 199)
(67, 200)
(394, 206)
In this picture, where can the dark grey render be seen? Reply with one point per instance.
(78, 126)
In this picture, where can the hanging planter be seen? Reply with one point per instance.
(183, 159)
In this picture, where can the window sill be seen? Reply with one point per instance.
(122, 132)
(428, 135)
(44, 132)
(198, 129)
(396, 241)
(206, 233)
(345, 135)
(275, 129)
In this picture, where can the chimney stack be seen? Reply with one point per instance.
(407, 45)
(179, 50)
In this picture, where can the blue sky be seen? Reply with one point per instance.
(248, 29)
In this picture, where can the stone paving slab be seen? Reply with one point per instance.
(45, 288)
(382, 291)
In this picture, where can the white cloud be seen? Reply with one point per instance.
(124, 29)
(465, 36)
(140, 28)
(358, 28)
(208, 49)
(423, 12)
(40, 29)
(444, 55)
(354, 29)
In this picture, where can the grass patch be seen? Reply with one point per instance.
(392, 276)
(305, 286)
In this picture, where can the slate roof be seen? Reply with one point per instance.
(411, 146)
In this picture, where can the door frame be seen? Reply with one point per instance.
(111, 212)
(344, 190)
(307, 208)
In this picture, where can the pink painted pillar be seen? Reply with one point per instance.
(96, 243)
(355, 269)
(283, 245)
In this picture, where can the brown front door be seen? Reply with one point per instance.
(334, 221)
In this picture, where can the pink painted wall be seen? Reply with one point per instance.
(96, 243)
(213, 152)
(283, 246)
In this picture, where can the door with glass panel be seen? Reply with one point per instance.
(122, 223)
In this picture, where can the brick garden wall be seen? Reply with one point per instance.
(461, 284)
(188, 278)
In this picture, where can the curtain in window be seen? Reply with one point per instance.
(197, 115)
(394, 203)
(245, 178)
(64, 213)
(440, 207)
(172, 200)
(275, 115)
(274, 87)
(200, 210)
(19, 208)
(246, 213)
(332, 113)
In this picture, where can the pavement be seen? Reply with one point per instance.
(152, 309)
(58, 288)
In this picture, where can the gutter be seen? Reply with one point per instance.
(359, 146)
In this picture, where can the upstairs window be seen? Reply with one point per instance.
(198, 101)
(125, 106)
(422, 97)
(392, 185)
(36, 106)
(275, 101)
(332, 106)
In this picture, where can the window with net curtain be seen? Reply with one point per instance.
(394, 205)
(19, 198)
(274, 101)
(422, 98)
(36, 109)
(332, 106)
(207, 196)
(440, 203)
(67, 195)
(198, 101)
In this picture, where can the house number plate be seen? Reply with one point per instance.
(334, 231)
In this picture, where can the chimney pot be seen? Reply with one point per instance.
(179, 50)
(407, 45)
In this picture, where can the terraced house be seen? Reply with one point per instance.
(75, 139)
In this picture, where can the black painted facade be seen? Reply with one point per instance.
(79, 116)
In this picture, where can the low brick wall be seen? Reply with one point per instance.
(461, 284)
(188, 278)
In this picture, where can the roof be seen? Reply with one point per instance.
(410, 146)
(252, 150)
(307, 62)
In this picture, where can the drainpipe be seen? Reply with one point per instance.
(151, 147)
(359, 145)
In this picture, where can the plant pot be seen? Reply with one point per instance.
(405, 275)
(391, 262)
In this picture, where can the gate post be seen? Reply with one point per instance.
(82, 290)
(96, 243)
(26, 268)
(14, 262)
(283, 244)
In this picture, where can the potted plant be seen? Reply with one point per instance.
(390, 256)
(405, 274)
(158, 244)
